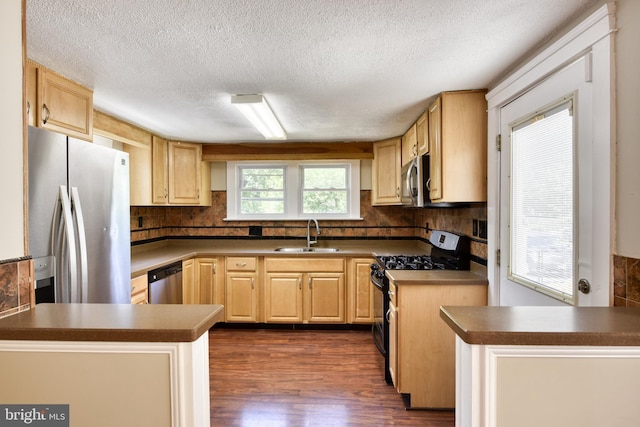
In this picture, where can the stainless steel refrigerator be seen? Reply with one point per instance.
(79, 233)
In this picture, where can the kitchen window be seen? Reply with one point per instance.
(293, 190)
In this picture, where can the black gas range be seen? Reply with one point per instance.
(448, 252)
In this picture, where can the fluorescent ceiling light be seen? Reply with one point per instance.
(256, 109)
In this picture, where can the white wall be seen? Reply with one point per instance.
(627, 206)
(11, 164)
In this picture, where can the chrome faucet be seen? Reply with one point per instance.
(309, 241)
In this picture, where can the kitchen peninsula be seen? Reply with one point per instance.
(546, 366)
(113, 364)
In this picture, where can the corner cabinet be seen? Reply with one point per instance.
(57, 103)
(304, 290)
(457, 123)
(385, 172)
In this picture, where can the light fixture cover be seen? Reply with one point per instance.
(256, 109)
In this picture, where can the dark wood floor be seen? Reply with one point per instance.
(292, 378)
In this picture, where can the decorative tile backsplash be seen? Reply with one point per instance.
(16, 294)
(149, 223)
(626, 281)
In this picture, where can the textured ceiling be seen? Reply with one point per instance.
(335, 70)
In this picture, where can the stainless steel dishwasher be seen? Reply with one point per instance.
(165, 284)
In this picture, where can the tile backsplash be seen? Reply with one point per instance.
(16, 294)
(151, 223)
(626, 281)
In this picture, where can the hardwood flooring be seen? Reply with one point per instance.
(294, 378)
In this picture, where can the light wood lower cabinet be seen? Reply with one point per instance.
(306, 290)
(241, 293)
(190, 292)
(209, 279)
(421, 345)
(360, 291)
(140, 290)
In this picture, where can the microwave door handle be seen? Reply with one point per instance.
(413, 190)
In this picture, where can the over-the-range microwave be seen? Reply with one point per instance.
(415, 182)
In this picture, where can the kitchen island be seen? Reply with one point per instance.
(145, 365)
(550, 366)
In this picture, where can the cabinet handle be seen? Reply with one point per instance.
(28, 107)
(252, 283)
(398, 192)
(300, 284)
(214, 267)
(388, 315)
(309, 282)
(241, 264)
(166, 193)
(45, 113)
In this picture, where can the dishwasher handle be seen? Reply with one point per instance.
(165, 271)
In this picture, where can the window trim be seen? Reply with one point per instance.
(293, 190)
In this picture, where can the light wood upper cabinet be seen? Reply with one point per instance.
(422, 134)
(184, 172)
(159, 170)
(57, 103)
(409, 145)
(385, 172)
(168, 173)
(458, 147)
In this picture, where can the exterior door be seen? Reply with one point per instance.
(550, 199)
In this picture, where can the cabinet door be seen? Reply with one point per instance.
(159, 171)
(184, 172)
(31, 105)
(283, 297)
(422, 134)
(190, 291)
(64, 106)
(392, 316)
(435, 149)
(409, 145)
(241, 300)
(360, 291)
(207, 280)
(324, 298)
(385, 172)
(139, 290)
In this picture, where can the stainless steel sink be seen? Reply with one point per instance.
(299, 249)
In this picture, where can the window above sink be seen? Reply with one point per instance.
(293, 190)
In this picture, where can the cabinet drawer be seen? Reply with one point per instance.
(241, 264)
(304, 264)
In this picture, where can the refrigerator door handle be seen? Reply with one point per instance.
(64, 248)
(82, 245)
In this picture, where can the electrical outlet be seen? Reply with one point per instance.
(475, 228)
(140, 222)
(426, 226)
(255, 230)
(482, 229)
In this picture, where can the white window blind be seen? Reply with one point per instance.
(542, 202)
